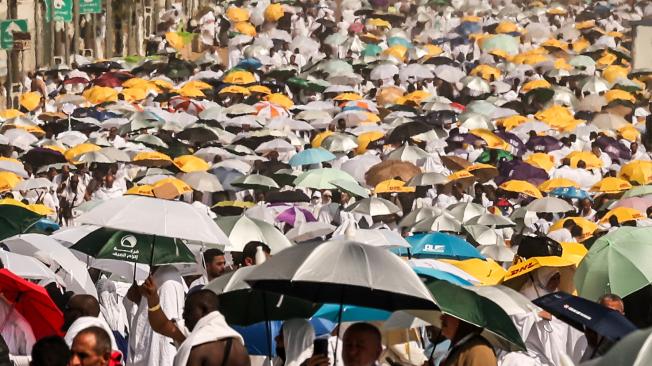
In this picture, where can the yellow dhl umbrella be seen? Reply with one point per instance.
(611, 185)
(100, 94)
(432, 50)
(500, 53)
(516, 274)
(555, 43)
(581, 44)
(191, 163)
(622, 214)
(8, 181)
(535, 84)
(416, 97)
(280, 100)
(511, 122)
(240, 77)
(274, 12)
(245, 28)
(364, 139)
(143, 190)
(637, 171)
(629, 132)
(541, 160)
(170, 188)
(587, 24)
(162, 84)
(556, 11)
(486, 72)
(380, 23)
(562, 64)
(34, 130)
(397, 51)
(483, 172)
(190, 92)
(40, 209)
(236, 14)
(152, 159)
(487, 272)
(260, 89)
(558, 117)
(11, 113)
(551, 184)
(30, 101)
(197, 84)
(134, 94)
(588, 227)
(523, 187)
(460, 174)
(573, 252)
(392, 186)
(316, 142)
(493, 141)
(77, 150)
(137, 83)
(234, 89)
(175, 40)
(530, 58)
(506, 27)
(589, 158)
(55, 148)
(617, 94)
(347, 97)
(239, 204)
(615, 72)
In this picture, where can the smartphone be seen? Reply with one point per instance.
(320, 347)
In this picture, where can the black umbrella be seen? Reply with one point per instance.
(581, 313)
(543, 143)
(286, 196)
(403, 132)
(40, 156)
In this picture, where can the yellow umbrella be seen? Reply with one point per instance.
(622, 214)
(347, 97)
(260, 89)
(144, 190)
(8, 181)
(615, 72)
(364, 139)
(512, 122)
(170, 188)
(530, 58)
(515, 276)
(432, 50)
(245, 28)
(136, 83)
(551, 184)
(573, 252)
(100, 94)
(535, 84)
(493, 141)
(506, 27)
(239, 204)
(397, 51)
(486, 72)
(162, 84)
(235, 89)
(417, 97)
(34, 130)
(607, 59)
(637, 171)
(611, 185)
(240, 77)
(562, 64)
(471, 18)
(175, 40)
(581, 44)
(460, 174)
(30, 100)
(500, 53)
(191, 163)
(389, 95)
(589, 158)
(190, 92)
(392, 186)
(274, 12)
(316, 142)
(77, 150)
(381, 23)
(198, 84)
(134, 94)
(555, 43)
(588, 226)
(523, 187)
(556, 11)
(587, 24)
(629, 132)
(617, 94)
(488, 272)
(541, 160)
(152, 158)
(11, 113)
(280, 100)
(558, 117)
(40, 209)
(236, 14)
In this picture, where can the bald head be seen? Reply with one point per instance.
(199, 304)
(78, 306)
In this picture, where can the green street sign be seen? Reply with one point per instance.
(62, 10)
(7, 29)
(90, 6)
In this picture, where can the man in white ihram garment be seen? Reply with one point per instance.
(146, 347)
(111, 309)
(294, 343)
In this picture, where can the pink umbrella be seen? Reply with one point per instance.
(295, 215)
(639, 203)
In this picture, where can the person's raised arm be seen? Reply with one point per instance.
(157, 318)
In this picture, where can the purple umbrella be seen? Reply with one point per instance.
(517, 169)
(543, 143)
(513, 140)
(295, 215)
(615, 149)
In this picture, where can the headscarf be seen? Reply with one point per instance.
(298, 337)
(535, 287)
(113, 311)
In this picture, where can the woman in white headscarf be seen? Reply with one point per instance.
(294, 342)
(112, 310)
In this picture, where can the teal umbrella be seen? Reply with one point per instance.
(502, 42)
(393, 41)
(351, 313)
(120, 245)
(322, 178)
(638, 191)
(372, 50)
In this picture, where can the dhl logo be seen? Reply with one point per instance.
(526, 267)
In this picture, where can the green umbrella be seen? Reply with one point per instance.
(255, 181)
(16, 220)
(120, 245)
(503, 42)
(485, 157)
(638, 191)
(616, 263)
(316, 86)
(352, 188)
(242, 305)
(473, 308)
(322, 178)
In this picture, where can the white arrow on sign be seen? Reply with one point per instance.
(13, 27)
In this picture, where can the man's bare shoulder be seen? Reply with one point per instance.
(212, 354)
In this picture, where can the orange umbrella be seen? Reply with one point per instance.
(522, 187)
(622, 214)
(551, 184)
(611, 185)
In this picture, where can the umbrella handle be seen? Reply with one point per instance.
(268, 330)
(339, 326)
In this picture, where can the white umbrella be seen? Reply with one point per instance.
(442, 266)
(358, 166)
(154, 216)
(202, 181)
(382, 238)
(408, 153)
(497, 252)
(309, 230)
(449, 74)
(15, 167)
(373, 206)
(27, 267)
(71, 138)
(488, 219)
(418, 215)
(384, 71)
(427, 179)
(443, 222)
(93, 157)
(242, 230)
(279, 145)
(549, 204)
(115, 154)
(338, 142)
(464, 211)
(416, 71)
(484, 235)
(20, 138)
(72, 271)
(34, 183)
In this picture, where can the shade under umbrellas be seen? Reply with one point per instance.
(581, 313)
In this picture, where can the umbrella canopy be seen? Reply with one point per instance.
(321, 178)
(15, 218)
(523, 187)
(374, 206)
(343, 272)
(549, 204)
(242, 229)
(154, 216)
(390, 169)
(633, 350)
(440, 245)
(311, 156)
(202, 181)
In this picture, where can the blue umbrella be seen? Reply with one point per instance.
(45, 226)
(255, 337)
(351, 313)
(570, 192)
(429, 273)
(322, 326)
(392, 41)
(311, 156)
(581, 313)
(226, 176)
(249, 64)
(440, 245)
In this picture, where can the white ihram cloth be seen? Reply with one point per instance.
(15, 330)
(146, 347)
(211, 328)
(87, 322)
